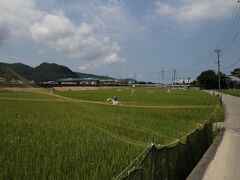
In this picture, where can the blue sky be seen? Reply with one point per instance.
(119, 37)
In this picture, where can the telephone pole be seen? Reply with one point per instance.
(174, 76)
(134, 76)
(162, 76)
(218, 62)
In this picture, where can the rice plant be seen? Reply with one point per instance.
(64, 139)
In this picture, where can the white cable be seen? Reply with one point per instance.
(151, 145)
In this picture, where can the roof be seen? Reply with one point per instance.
(234, 78)
(77, 79)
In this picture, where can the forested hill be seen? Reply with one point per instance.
(43, 72)
(48, 72)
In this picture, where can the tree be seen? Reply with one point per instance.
(194, 83)
(209, 80)
(236, 72)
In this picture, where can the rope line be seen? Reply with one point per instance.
(136, 159)
(121, 138)
(140, 129)
(201, 125)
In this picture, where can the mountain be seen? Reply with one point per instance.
(48, 72)
(16, 67)
(12, 71)
(43, 72)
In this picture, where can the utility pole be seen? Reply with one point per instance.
(218, 62)
(134, 75)
(162, 76)
(174, 76)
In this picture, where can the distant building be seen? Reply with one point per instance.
(2, 80)
(93, 82)
(130, 81)
(79, 81)
(185, 81)
(233, 82)
(107, 82)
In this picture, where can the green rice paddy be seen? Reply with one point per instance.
(82, 136)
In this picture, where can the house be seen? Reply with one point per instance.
(79, 81)
(2, 80)
(233, 82)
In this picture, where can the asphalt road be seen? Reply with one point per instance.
(222, 160)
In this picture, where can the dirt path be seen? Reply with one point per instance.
(222, 160)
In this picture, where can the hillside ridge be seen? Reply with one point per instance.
(43, 72)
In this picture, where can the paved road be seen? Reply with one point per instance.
(222, 160)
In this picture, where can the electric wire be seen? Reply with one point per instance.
(231, 65)
(232, 31)
(229, 27)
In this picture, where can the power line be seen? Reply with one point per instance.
(230, 35)
(201, 62)
(232, 30)
(233, 40)
(234, 63)
(229, 26)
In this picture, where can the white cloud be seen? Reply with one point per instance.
(109, 60)
(110, 17)
(114, 19)
(164, 9)
(85, 42)
(86, 67)
(15, 18)
(80, 42)
(193, 11)
(113, 58)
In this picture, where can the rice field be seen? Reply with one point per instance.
(82, 136)
(233, 92)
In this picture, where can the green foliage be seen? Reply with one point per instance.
(76, 140)
(209, 80)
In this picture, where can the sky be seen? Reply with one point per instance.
(121, 37)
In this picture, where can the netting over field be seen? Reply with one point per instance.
(173, 161)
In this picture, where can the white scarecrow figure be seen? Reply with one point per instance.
(133, 90)
(169, 91)
(114, 100)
